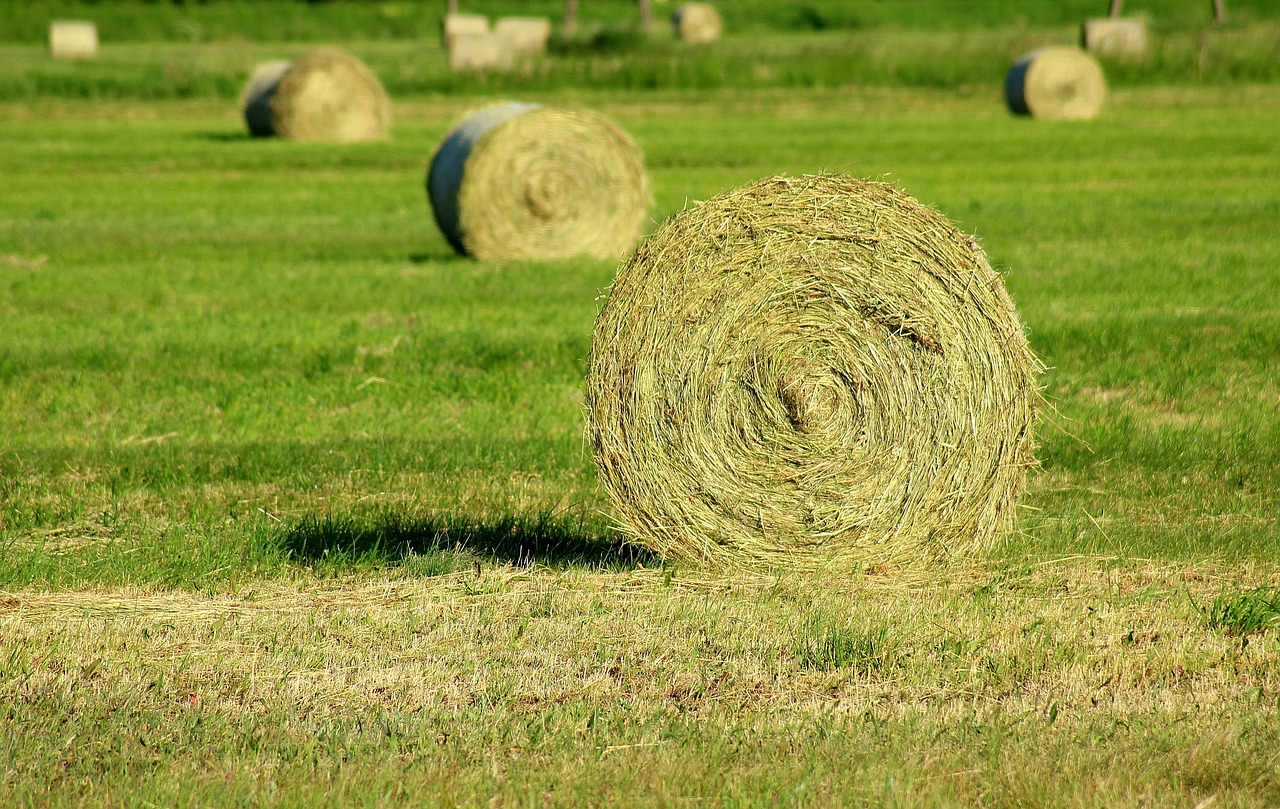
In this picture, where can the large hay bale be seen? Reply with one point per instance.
(811, 373)
(463, 24)
(697, 22)
(480, 52)
(73, 39)
(524, 37)
(521, 181)
(1123, 39)
(1063, 84)
(325, 95)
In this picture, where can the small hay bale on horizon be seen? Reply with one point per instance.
(470, 53)
(524, 37)
(811, 373)
(1123, 39)
(522, 181)
(462, 24)
(1063, 84)
(73, 39)
(697, 23)
(325, 95)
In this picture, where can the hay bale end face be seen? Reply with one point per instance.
(463, 24)
(480, 53)
(697, 23)
(520, 181)
(813, 373)
(73, 39)
(524, 37)
(1118, 38)
(326, 95)
(1065, 84)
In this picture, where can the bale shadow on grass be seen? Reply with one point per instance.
(442, 544)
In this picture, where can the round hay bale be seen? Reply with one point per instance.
(697, 23)
(524, 37)
(521, 181)
(73, 39)
(1123, 39)
(325, 95)
(460, 24)
(255, 100)
(1064, 84)
(812, 373)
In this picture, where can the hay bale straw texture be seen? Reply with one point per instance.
(326, 95)
(521, 181)
(524, 37)
(816, 373)
(1123, 39)
(73, 39)
(1064, 84)
(697, 23)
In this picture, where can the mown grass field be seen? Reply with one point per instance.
(295, 507)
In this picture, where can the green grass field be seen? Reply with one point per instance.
(295, 507)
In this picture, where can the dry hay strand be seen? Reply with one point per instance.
(1118, 38)
(524, 37)
(813, 373)
(697, 23)
(1064, 84)
(255, 100)
(326, 95)
(462, 24)
(521, 181)
(73, 39)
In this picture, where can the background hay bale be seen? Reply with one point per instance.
(325, 95)
(479, 53)
(73, 39)
(1063, 84)
(524, 37)
(520, 181)
(1123, 39)
(463, 24)
(255, 100)
(697, 23)
(811, 373)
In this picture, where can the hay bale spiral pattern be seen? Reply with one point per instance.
(521, 181)
(1064, 84)
(326, 95)
(811, 373)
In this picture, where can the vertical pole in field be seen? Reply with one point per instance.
(645, 14)
(570, 16)
(452, 6)
(1219, 11)
(1115, 7)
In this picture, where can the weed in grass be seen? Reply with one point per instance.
(1245, 613)
(826, 643)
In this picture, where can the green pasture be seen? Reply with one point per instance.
(295, 506)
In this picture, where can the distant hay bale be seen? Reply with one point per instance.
(325, 95)
(73, 39)
(463, 24)
(524, 37)
(255, 100)
(1123, 39)
(697, 22)
(811, 373)
(521, 181)
(479, 53)
(1056, 83)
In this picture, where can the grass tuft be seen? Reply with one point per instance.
(1244, 613)
(826, 643)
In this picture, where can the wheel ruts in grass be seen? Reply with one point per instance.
(1065, 84)
(811, 373)
(521, 181)
(326, 95)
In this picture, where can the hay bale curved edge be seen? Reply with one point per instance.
(697, 23)
(1064, 84)
(522, 181)
(255, 99)
(326, 95)
(811, 373)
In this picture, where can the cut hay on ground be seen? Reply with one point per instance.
(1064, 84)
(520, 181)
(73, 39)
(697, 23)
(326, 95)
(1123, 39)
(811, 373)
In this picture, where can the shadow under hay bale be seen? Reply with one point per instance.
(326, 95)
(1119, 39)
(697, 23)
(1065, 84)
(521, 181)
(73, 39)
(813, 373)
